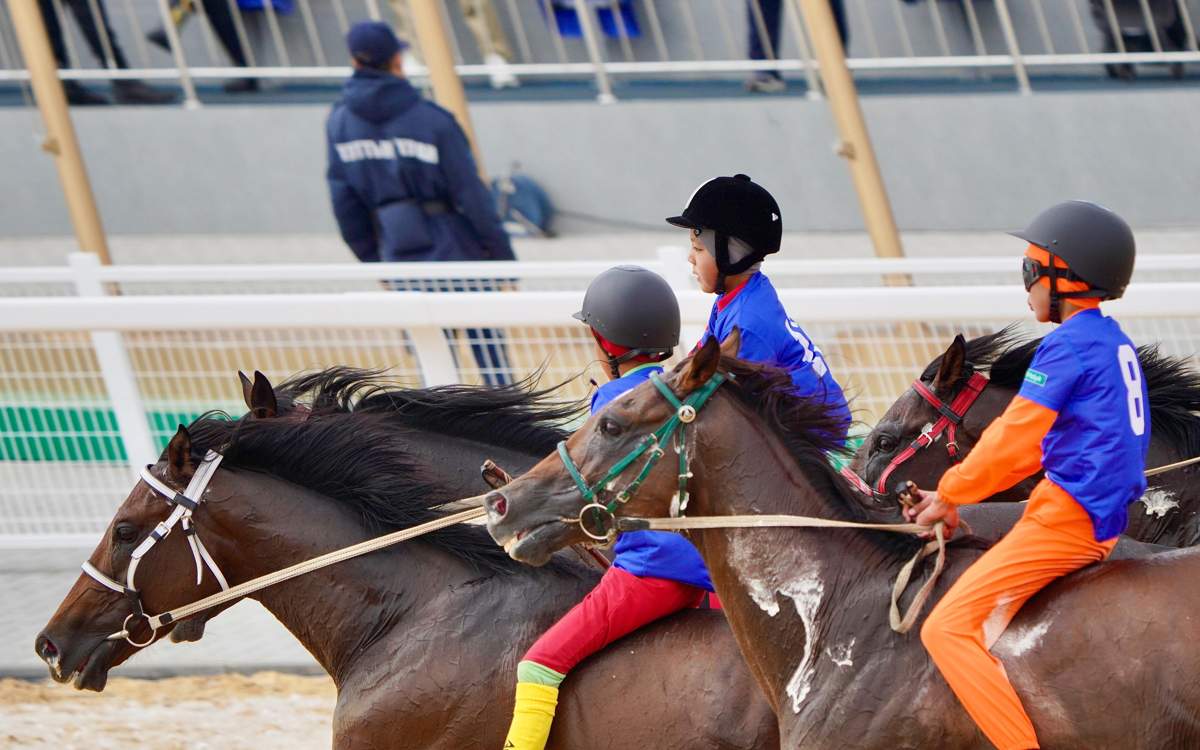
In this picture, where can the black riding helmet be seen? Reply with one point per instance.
(635, 308)
(1095, 243)
(734, 207)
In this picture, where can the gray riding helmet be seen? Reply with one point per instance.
(633, 307)
(1096, 243)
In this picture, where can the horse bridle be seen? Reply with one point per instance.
(603, 514)
(185, 504)
(950, 418)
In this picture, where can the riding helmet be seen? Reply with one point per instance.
(735, 207)
(633, 307)
(1094, 242)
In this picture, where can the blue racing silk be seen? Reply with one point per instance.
(656, 554)
(1087, 371)
(771, 337)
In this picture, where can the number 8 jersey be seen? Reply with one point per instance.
(1087, 371)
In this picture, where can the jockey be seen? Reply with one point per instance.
(734, 223)
(634, 319)
(1082, 415)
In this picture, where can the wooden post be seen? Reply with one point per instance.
(60, 133)
(439, 57)
(855, 143)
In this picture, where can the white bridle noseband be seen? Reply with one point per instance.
(185, 503)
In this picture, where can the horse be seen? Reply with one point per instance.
(422, 639)
(808, 607)
(1170, 510)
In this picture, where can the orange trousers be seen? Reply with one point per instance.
(1053, 538)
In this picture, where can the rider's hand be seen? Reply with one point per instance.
(929, 509)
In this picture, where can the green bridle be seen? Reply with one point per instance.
(676, 427)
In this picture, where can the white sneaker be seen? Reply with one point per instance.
(502, 77)
(765, 83)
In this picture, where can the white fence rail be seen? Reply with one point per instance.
(549, 39)
(93, 383)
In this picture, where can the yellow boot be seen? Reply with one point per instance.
(532, 716)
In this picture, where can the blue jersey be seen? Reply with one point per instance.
(657, 554)
(771, 337)
(1087, 370)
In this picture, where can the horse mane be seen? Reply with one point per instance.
(809, 429)
(1172, 383)
(347, 449)
(529, 418)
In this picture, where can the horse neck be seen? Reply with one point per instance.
(256, 524)
(785, 591)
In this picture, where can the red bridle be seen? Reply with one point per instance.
(951, 416)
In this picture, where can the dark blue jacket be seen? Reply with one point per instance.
(393, 157)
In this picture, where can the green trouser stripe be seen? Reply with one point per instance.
(531, 671)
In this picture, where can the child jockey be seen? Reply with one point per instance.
(734, 223)
(1082, 416)
(634, 319)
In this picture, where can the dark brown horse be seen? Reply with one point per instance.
(1169, 514)
(421, 639)
(1102, 659)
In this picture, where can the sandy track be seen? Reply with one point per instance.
(268, 710)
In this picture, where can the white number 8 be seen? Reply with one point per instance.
(1131, 371)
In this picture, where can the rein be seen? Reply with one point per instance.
(685, 414)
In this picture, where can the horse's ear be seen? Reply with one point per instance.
(954, 360)
(732, 343)
(246, 386)
(262, 397)
(701, 367)
(179, 455)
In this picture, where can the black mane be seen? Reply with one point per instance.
(1172, 383)
(809, 429)
(529, 418)
(345, 447)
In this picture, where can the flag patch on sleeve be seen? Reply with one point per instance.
(1035, 377)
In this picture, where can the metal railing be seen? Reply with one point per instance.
(93, 383)
(508, 41)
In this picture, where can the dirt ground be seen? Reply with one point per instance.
(267, 711)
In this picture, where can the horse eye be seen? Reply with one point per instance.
(125, 533)
(609, 427)
(885, 444)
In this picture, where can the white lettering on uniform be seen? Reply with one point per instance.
(352, 151)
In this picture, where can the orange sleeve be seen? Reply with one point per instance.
(1009, 450)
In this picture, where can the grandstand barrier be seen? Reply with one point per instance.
(676, 39)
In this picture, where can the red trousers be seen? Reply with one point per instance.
(620, 604)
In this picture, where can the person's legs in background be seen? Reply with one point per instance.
(763, 19)
(129, 91)
(76, 92)
(485, 26)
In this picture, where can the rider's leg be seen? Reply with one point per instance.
(620, 604)
(1052, 539)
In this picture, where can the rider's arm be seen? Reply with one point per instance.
(1009, 450)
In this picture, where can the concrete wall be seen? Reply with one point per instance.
(950, 162)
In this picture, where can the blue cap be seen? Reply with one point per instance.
(373, 43)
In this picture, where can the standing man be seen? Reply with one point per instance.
(403, 182)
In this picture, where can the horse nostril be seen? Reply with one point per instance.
(45, 648)
(496, 504)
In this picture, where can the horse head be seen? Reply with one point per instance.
(546, 509)
(80, 641)
(930, 427)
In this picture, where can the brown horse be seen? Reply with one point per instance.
(421, 639)
(1104, 658)
(1169, 513)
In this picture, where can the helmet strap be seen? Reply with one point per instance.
(614, 367)
(1055, 298)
